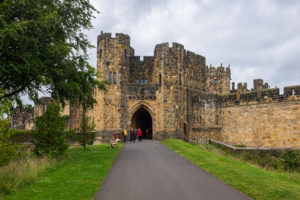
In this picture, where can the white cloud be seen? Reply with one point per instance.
(259, 38)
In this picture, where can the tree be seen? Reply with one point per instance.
(50, 135)
(42, 45)
(7, 149)
(86, 133)
(86, 102)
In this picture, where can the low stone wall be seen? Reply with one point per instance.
(271, 151)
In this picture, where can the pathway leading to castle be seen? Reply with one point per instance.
(150, 171)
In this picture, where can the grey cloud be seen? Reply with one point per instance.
(259, 38)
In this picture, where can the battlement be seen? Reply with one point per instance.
(120, 38)
(261, 95)
(259, 84)
(292, 90)
(218, 70)
(142, 58)
(177, 45)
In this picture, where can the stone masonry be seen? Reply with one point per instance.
(174, 94)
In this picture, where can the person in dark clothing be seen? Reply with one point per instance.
(131, 135)
(147, 134)
(135, 135)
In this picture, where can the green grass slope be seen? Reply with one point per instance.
(79, 178)
(249, 179)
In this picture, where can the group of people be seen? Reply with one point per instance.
(136, 134)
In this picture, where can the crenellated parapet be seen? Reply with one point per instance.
(218, 79)
(120, 38)
(261, 93)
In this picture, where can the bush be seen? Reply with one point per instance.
(21, 136)
(49, 136)
(291, 160)
(7, 149)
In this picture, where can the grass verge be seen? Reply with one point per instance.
(255, 182)
(79, 177)
(21, 172)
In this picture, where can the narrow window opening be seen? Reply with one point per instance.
(115, 78)
(145, 81)
(125, 53)
(137, 80)
(100, 54)
(159, 79)
(217, 120)
(110, 78)
(180, 79)
(293, 92)
(185, 129)
(216, 82)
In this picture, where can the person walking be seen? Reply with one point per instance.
(135, 135)
(147, 134)
(125, 134)
(131, 135)
(140, 134)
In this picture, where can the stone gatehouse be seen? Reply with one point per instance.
(175, 94)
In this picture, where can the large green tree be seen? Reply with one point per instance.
(43, 47)
(50, 135)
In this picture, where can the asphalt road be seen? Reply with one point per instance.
(150, 171)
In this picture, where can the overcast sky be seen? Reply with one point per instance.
(258, 38)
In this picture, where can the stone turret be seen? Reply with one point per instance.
(218, 79)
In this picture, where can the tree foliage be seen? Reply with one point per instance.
(42, 45)
(85, 134)
(49, 136)
(7, 149)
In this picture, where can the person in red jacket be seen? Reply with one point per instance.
(140, 134)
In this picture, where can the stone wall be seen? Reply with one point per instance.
(218, 80)
(272, 124)
(185, 98)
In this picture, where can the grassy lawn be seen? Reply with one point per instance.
(249, 179)
(78, 178)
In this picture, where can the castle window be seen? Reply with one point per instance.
(216, 82)
(137, 81)
(115, 78)
(110, 78)
(100, 53)
(180, 79)
(293, 92)
(125, 53)
(159, 79)
(185, 129)
(107, 63)
(145, 81)
(217, 120)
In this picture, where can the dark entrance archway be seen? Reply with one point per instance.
(143, 120)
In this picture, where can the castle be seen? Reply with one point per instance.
(174, 94)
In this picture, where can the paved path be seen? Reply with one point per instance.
(150, 171)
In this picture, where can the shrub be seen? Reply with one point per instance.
(291, 160)
(49, 136)
(7, 149)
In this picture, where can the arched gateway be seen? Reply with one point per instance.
(142, 119)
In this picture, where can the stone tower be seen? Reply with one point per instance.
(113, 55)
